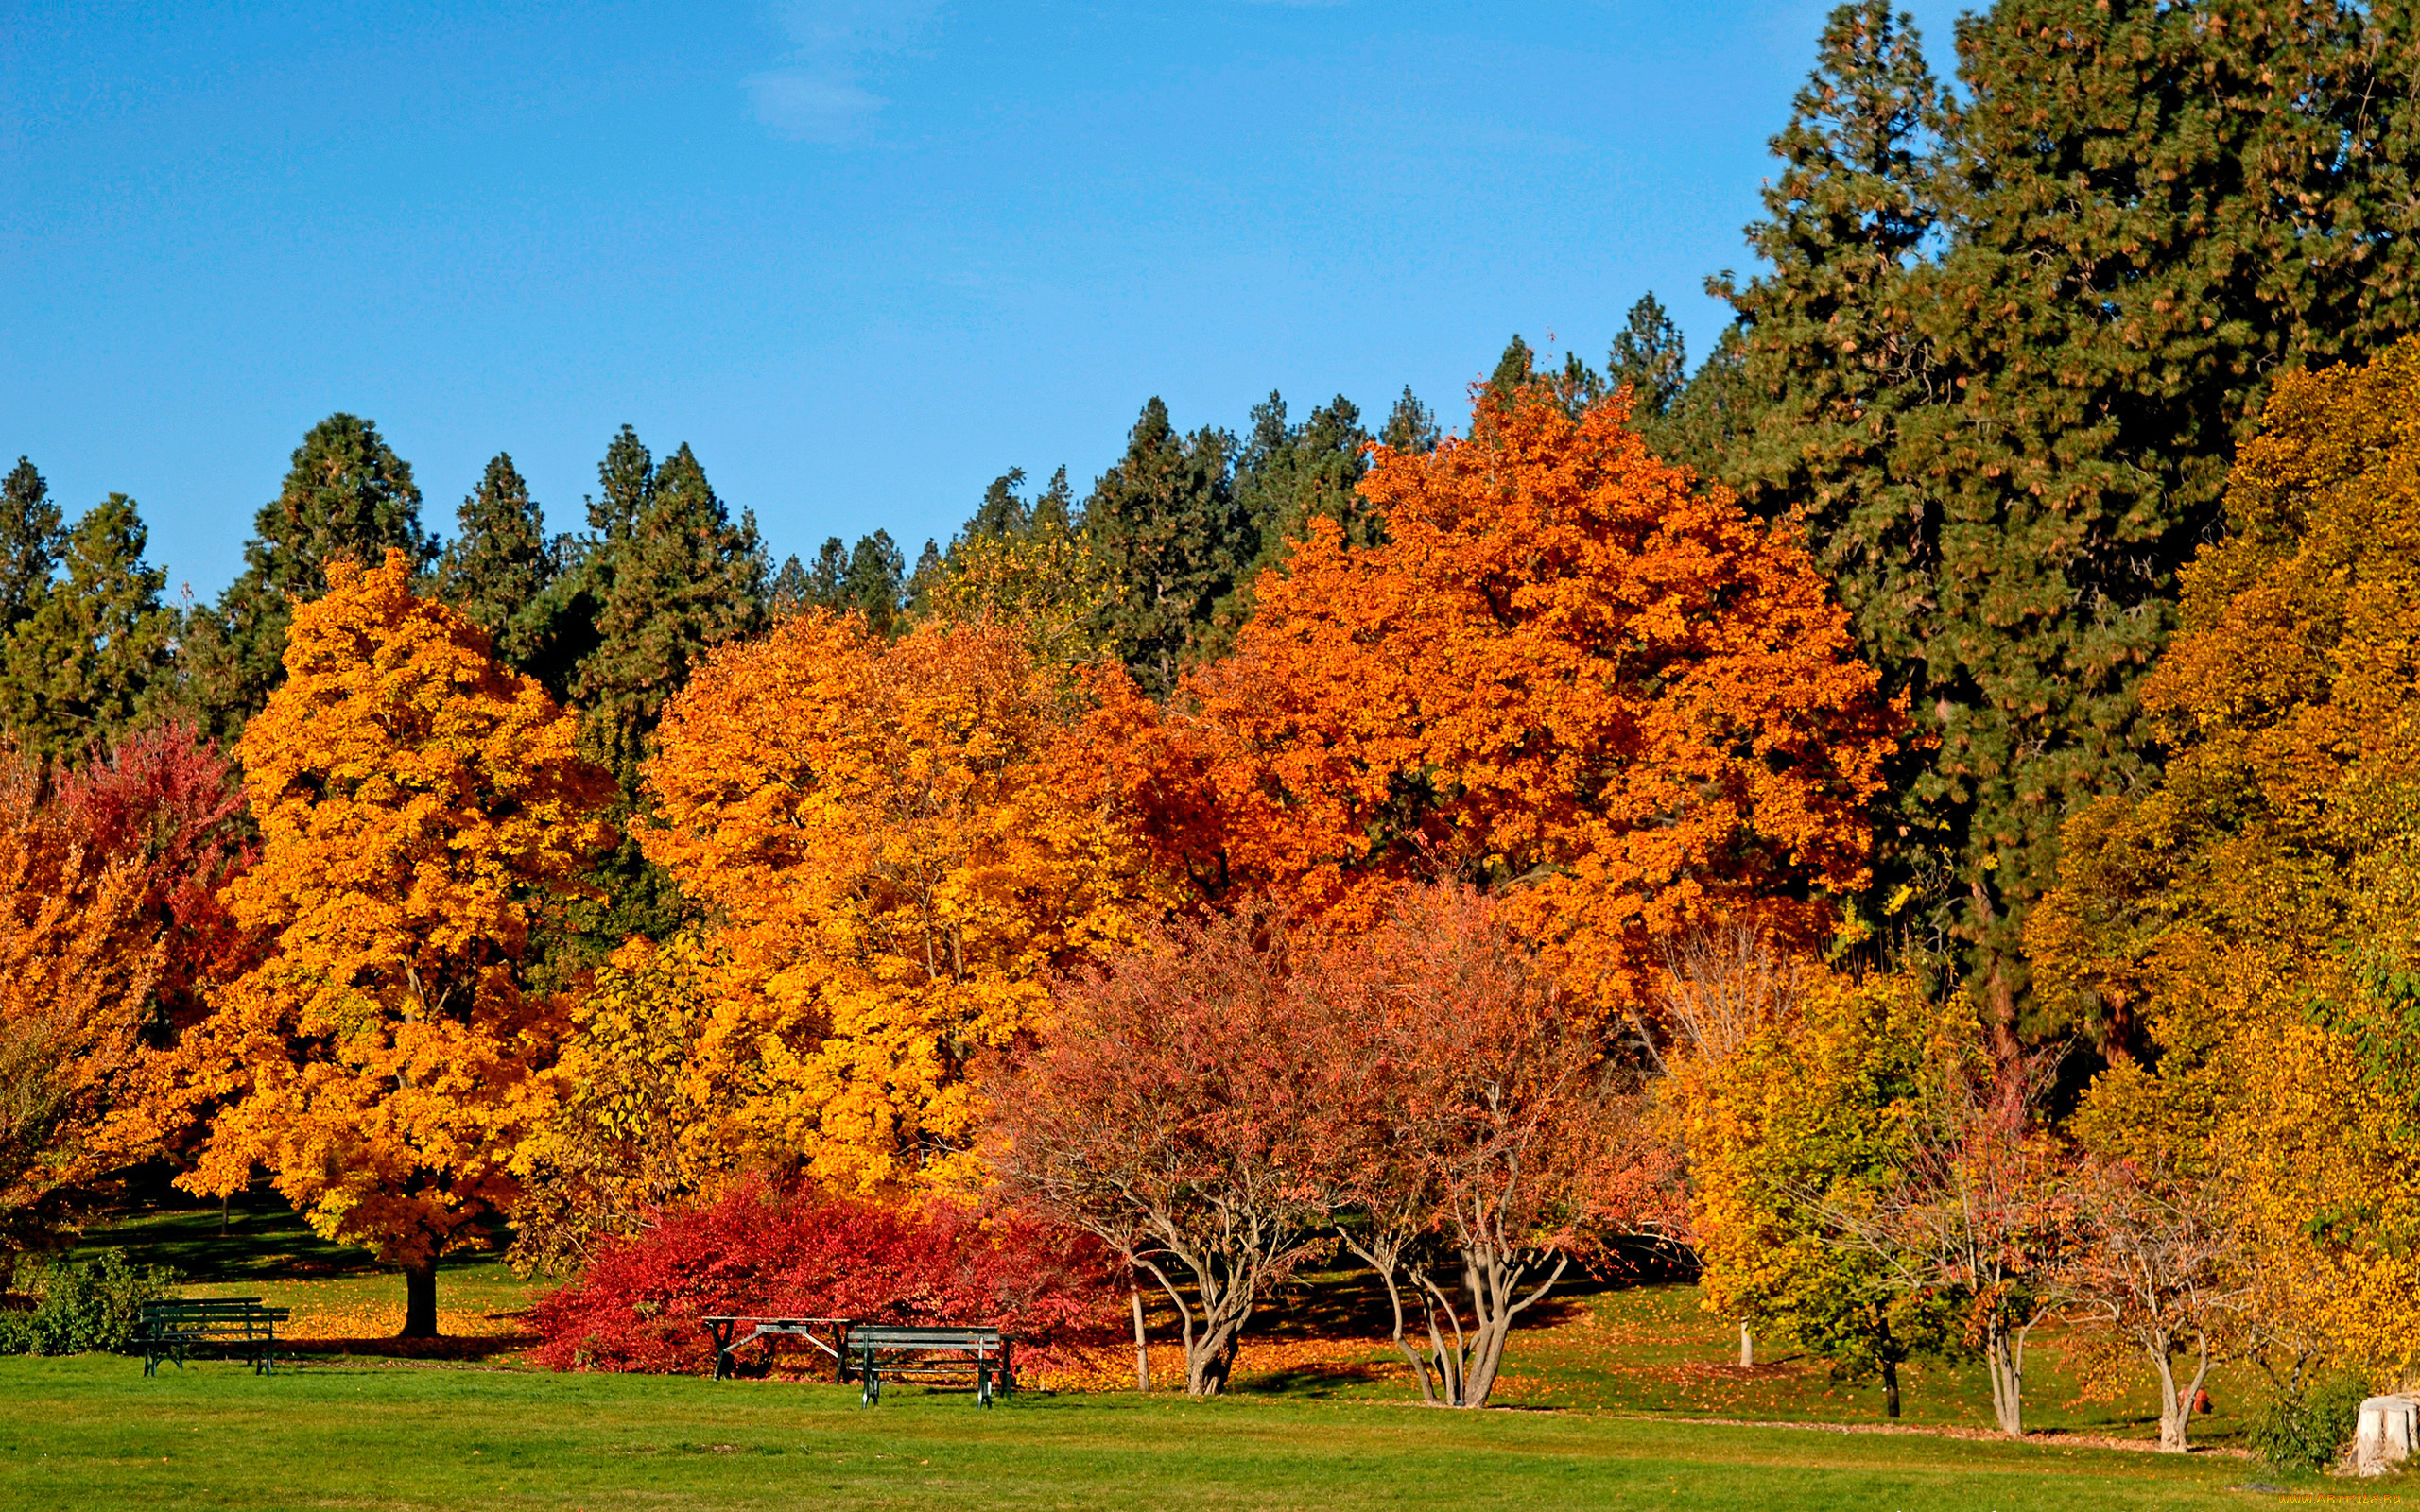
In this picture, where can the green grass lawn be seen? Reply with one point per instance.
(93, 1433)
(1605, 1399)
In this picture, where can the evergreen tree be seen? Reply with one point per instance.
(1517, 367)
(2154, 206)
(81, 670)
(664, 578)
(828, 584)
(1164, 521)
(346, 497)
(29, 540)
(1649, 355)
(1002, 512)
(1285, 477)
(924, 580)
(1409, 425)
(2000, 379)
(499, 569)
(1708, 419)
(876, 583)
(792, 589)
(1054, 508)
(671, 577)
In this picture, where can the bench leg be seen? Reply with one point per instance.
(872, 1395)
(983, 1384)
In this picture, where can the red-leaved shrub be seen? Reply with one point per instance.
(766, 1251)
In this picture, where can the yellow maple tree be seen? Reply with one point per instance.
(898, 846)
(417, 801)
(2244, 935)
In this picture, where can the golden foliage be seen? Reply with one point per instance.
(416, 803)
(2256, 917)
(897, 846)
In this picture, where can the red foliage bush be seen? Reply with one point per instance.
(173, 800)
(764, 1250)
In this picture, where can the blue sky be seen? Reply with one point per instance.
(863, 257)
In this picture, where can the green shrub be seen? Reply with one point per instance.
(91, 1306)
(2308, 1429)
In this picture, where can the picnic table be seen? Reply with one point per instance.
(238, 1326)
(728, 1339)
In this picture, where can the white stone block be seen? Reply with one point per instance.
(2388, 1432)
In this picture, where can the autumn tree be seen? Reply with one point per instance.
(1798, 1108)
(638, 1119)
(347, 497)
(1168, 1109)
(77, 962)
(416, 801)
(1972, 1220)
(169, 801)
(2244, 924)
(1567, 674)
(1467, 1112)
(898, 849)
(1722, 987)
(2152, 1275)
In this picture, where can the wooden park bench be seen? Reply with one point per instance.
(931, 1354)
(237, 1327)
(729, 1340)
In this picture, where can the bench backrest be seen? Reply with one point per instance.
(878, 1336)
(213, 1310)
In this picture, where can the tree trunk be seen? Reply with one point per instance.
(1747, 1348)
(420, 1301)
(2172, 1425)
(1210, 1359)
(1891, 1390)
(2004, 1360)
(1494, 1282)
(1999, 993)
(2176, 1403)
(1142, 1344)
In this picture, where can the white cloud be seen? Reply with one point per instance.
(819, 91)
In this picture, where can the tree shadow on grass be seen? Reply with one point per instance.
(256, 1236)
(465, 1349)
(1315, 1380)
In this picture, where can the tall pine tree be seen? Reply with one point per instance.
(84, 666)
(2000, 379)
(1285, 477)
(1410, 426)
(1649, 355)
(663, 577)
(347, 495)
(498, 571)
(29, 540)
(670, 577)
(1164, 521)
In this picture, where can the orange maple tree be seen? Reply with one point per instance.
(1571, 674)
(416, 803)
